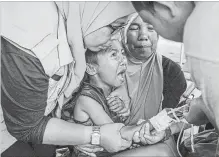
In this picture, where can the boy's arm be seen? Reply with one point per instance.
(94, 110)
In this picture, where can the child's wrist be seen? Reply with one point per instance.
(127, 132)
(168, 133)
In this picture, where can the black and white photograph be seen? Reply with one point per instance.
(109, 78)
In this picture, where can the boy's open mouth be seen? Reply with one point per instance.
(121, 74)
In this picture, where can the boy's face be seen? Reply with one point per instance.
(112, 65)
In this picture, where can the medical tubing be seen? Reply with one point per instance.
(177, 144)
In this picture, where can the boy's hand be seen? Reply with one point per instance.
(117, 105)
(122, 94)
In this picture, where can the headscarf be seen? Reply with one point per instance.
(83, 18)
(144, 82)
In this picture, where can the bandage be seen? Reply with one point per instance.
(161, 121)
(164, 119)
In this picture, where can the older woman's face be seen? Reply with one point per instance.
(141, 39)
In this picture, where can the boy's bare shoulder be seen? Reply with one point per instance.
(86, 103)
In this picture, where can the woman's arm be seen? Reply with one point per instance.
(60, 132)
(24, 100)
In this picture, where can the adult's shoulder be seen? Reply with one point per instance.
(170, 68)
(201, 32)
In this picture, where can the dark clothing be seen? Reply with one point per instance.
(205, 145)
(24, 94)
(174, 83)
(89, 90)
(97, 94)
(23, 149)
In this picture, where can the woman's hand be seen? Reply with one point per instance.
(127, 132)
(111, 137)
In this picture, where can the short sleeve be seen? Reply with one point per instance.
(24, 94)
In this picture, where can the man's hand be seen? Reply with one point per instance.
(196, 114)
(150, 137)
(117, 105)
(89, 149)
(111, 138)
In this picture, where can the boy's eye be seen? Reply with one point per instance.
(114, 54)
(134, 27)
(123, 52)
(150, 28)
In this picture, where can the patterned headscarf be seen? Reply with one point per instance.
(85, 18)
(144, 82)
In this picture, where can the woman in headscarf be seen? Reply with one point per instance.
(151, 77)
(43, 46)
(147, 75)
(144, 72)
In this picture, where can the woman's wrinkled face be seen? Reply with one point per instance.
(141, 39)
(164, 26)
(112, 65)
